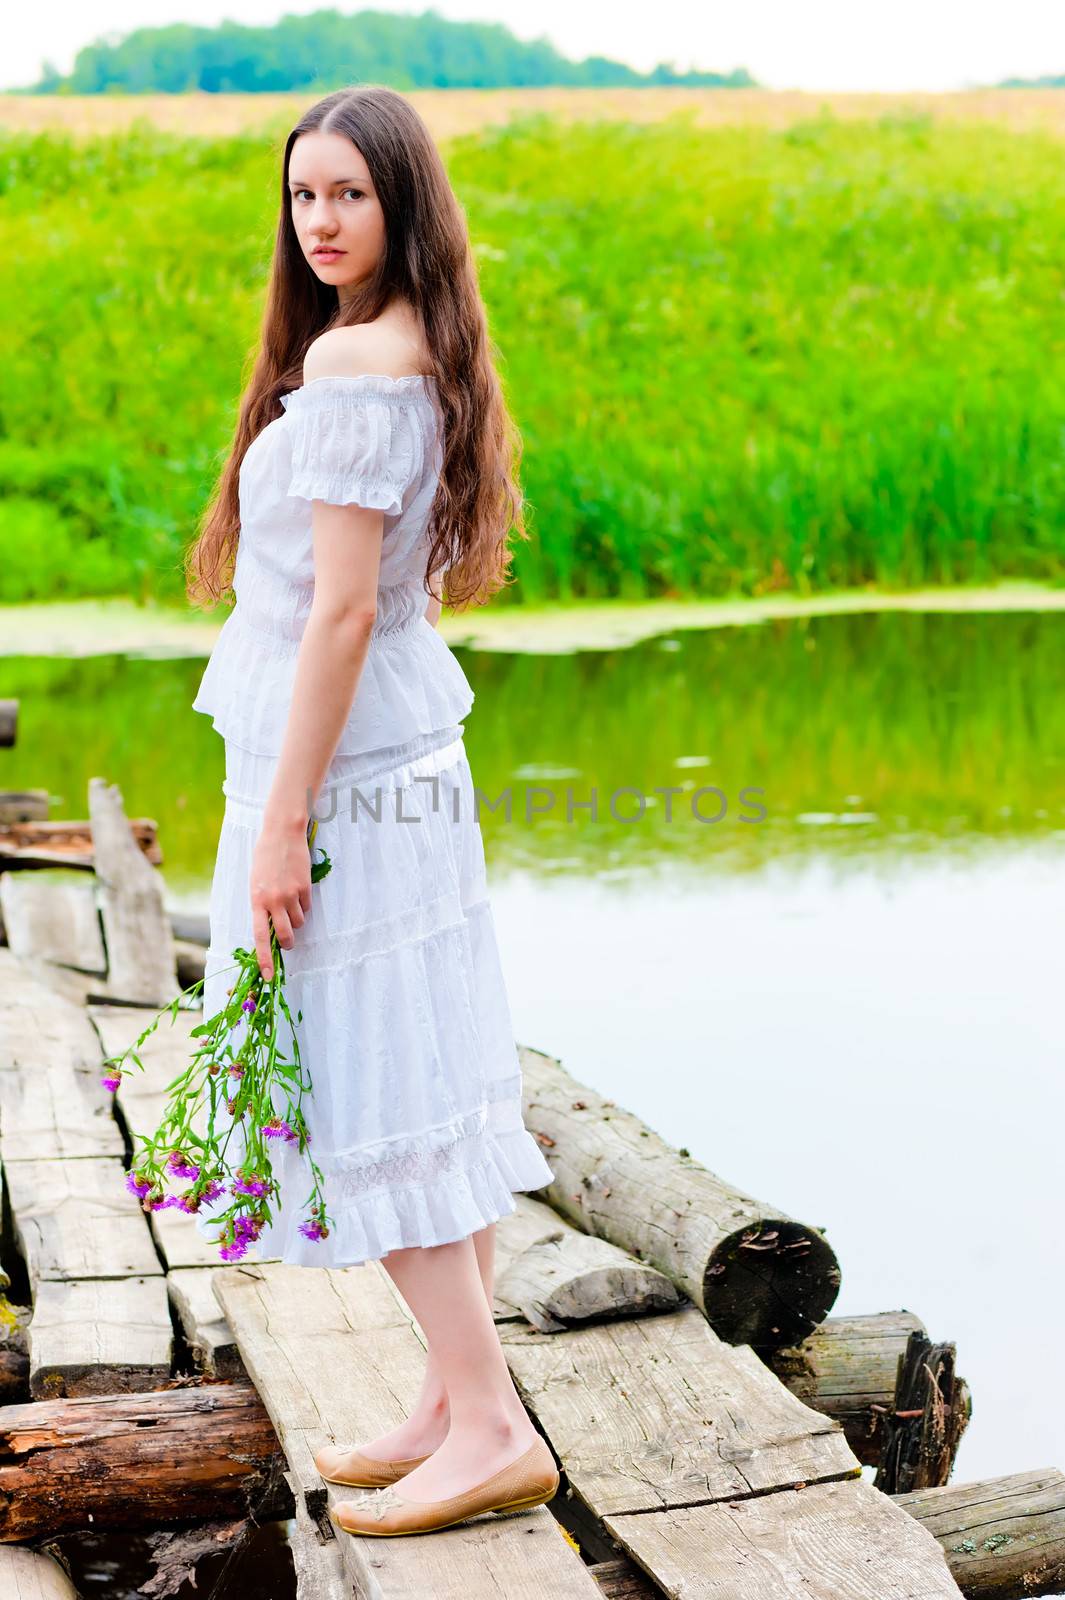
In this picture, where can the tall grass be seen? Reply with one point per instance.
(741, 358)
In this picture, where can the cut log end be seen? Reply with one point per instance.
(770, 1284)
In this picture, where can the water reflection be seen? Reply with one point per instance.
(870, 735)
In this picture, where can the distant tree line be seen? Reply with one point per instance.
(1033, 83)
(328, 49)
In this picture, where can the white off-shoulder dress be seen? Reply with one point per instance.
(416, 1112)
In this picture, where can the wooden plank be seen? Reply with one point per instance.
(100, 1337)
(658, 1411)
(76, 1219)
(52, 915)
(29, 1575)
(336, 1356)
(209, 1335)
(52, 1104)
(828, 1541)
(667, 1436)
(56, 1109)
(140, 946)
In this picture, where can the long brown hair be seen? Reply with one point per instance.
(427, 261)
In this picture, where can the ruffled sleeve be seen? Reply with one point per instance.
(355, 441)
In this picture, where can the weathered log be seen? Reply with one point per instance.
(32, 1575)
(31, 841)
(176, 1455)
(176, 1553)
(924, 1427)
(847, 1368)
(1003, 1538)
(760, 1278)
(566, 1277)
(140, 945)
(8, 723)
(23, 805)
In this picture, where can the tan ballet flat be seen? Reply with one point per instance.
(348, 1465)
(528, 1481)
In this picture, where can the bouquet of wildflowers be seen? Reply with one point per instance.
(192, 1142)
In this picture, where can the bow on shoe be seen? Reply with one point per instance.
(374, 1504)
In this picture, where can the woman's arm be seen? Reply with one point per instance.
(347, 556)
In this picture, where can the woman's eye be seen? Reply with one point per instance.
(354, 191)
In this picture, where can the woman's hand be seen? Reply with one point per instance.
(280, 888)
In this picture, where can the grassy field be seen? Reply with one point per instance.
(451, 112)
(788, 355)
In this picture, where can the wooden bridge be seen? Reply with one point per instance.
(668, 1334)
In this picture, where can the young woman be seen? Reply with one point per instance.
(373, 464)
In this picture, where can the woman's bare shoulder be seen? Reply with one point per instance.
(384, 346)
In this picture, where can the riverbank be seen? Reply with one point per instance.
(121, 627)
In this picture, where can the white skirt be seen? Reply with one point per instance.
(415, 1114)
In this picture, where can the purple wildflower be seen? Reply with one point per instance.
(138, 1186)
(257, 1187)
(181, 1166)
(159, 1202)
(212, 1190)
(313, 1230)
(249, 1004)
(276, 1129)
(233, 1251)
(112, 1081)
(236, 1070)
(187, 1202)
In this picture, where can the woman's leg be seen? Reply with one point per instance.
(448, 1288)
(425, 1428)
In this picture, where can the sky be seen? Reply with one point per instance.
(786, 44)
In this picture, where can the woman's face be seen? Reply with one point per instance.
(335, 208)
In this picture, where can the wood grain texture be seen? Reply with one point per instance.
(1002, 1536)
(570, 1277)
(76, 1219)
(336, 1357)
(658, 1411)
(316, 1556)
(100, 1337)
(828, 1541)
(847, 1369)
(760, 1277)
(135, 1461)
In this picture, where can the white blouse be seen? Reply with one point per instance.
(372, 441)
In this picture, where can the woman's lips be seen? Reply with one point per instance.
(327, 255)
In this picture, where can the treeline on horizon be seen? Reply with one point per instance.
(741, 359)
(407, 51)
